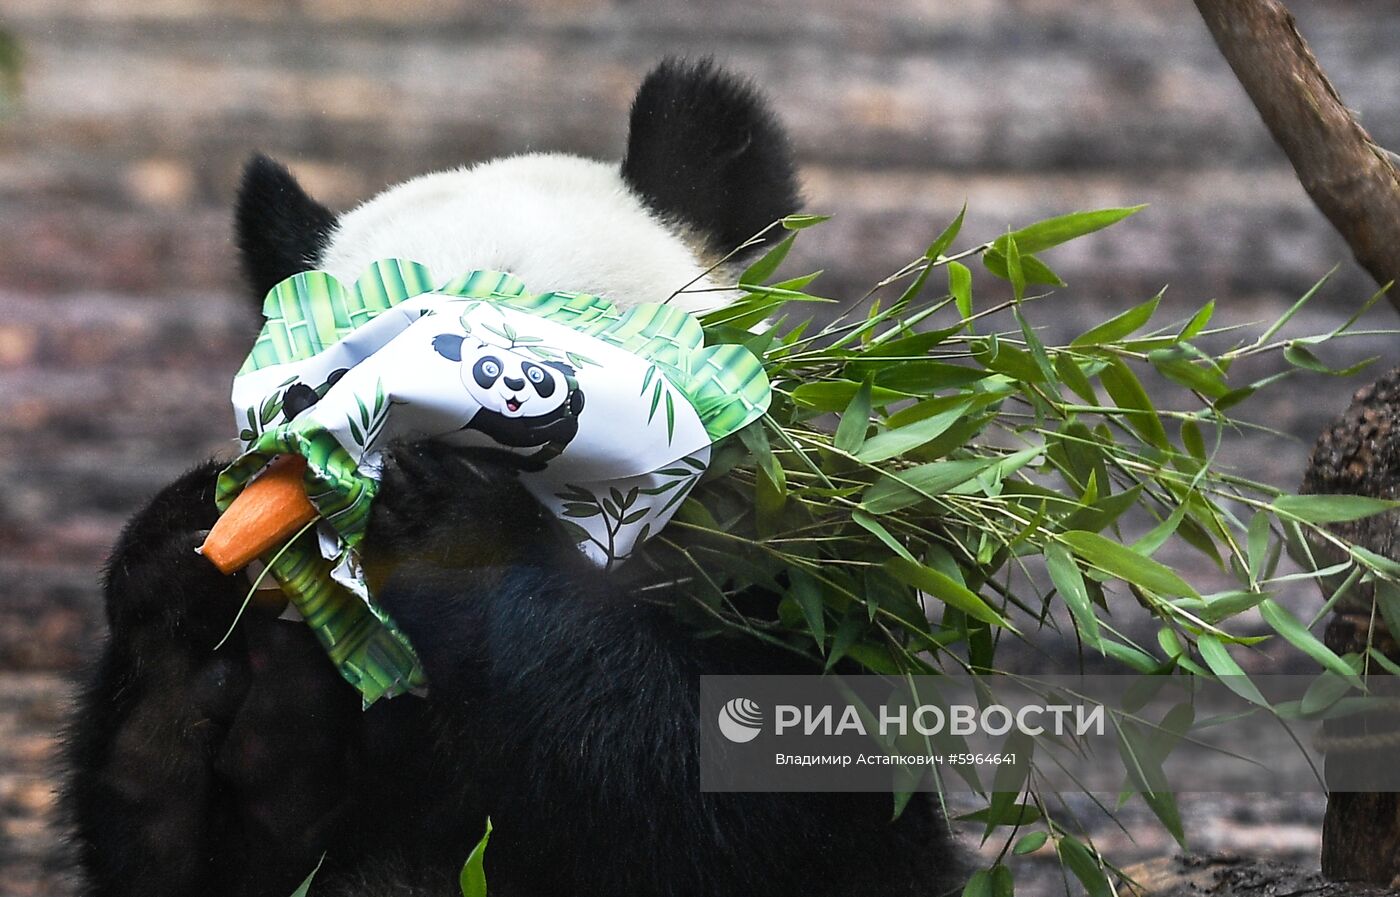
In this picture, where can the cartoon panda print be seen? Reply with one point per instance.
(525, 402)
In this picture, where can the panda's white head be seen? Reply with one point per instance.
(706, 167)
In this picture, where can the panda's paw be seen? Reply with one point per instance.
(457, 507)
(155, 577)
(210, 772)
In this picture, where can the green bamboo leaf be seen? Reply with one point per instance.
(877, 529)
(1014, 272)
(1064, 573)
(946, 238)
(768, 263)
(960, 287)
(1297, 635)
(909, 487)
(1072, 375)
(1299, 355)
(893, 443)
(1324, 692)
(979, 885)
(1085, 866)
(807, 593)
(1216, 657)
(855, 420)
(1191, 439)
(1005, 358)
(1030, 843)
(872, 358)
(473, 877)
(1119, 326)
(802, 222)
(1131, 657)
(1061, 229)
(1127, 565)
(1034, 346)
(925, 378)
(1127, 392)
(1332, 508)
(1033, 270)
(1008, 782)
(1223, 605)
(1142, 756)
(834, 395)
(1154, 538)
(1178, 365)
(1003, 882)
(1198, 322)
(305, 887)
(945, 589)
(1257, 544)
(848, 632)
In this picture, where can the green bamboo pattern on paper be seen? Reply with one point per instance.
(728, 388)
(311, 311)
(367, 647)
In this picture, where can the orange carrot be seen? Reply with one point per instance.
(265, 514)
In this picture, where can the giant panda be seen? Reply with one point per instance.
(562, 700)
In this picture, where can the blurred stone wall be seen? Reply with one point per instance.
(121, 320)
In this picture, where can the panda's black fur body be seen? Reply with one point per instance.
(562, 704)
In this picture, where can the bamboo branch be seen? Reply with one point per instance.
(1353, 181)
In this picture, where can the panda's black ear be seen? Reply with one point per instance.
(704, 150)
(279, 229)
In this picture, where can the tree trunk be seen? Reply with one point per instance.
(1359, 454)
(1352, 180)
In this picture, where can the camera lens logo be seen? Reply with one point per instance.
(740, 720)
